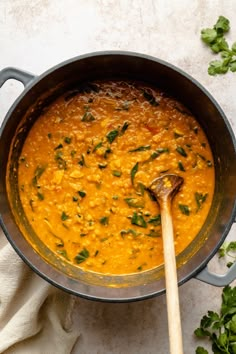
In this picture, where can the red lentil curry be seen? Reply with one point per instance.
(85, 167)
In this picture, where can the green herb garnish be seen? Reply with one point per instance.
(133, 172)
(134, 202)
(37, 174)
(220, 328)
(129, 231)
(81, 162)
(155, 220)
(63, 253)
(214, 38)
(154, 233)
(82, 256)
(112, 135)
(82, 194)
(67, 140)
(141, 148)
(104, 220)
(116, 173)
(138, 219)
(184, 209)
(61, 163)
(64, 216)
(97, 146)
(124, 128)
(200, 199)
(60, 146)
(40, 196)
(181, 151)
(181, 166)
(228, 249)
(87, 117)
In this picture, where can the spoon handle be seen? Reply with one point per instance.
(172, 294)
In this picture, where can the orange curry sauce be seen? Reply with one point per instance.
(85, 166)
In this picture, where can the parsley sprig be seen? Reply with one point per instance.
(220, 327)
(214, 38)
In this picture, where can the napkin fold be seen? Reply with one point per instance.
(35, 317)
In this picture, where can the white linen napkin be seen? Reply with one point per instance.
(35, 317)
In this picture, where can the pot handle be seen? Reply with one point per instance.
(17, 74)
(217, 279)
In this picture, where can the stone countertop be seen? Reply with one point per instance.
(36, 35)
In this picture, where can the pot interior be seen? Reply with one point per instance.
(129, 66)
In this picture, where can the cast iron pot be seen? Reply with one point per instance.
(39, 92)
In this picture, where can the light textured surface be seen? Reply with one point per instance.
(35, 35)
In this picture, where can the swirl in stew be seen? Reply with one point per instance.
(85, 167)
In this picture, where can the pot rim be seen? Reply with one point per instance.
(203, 263)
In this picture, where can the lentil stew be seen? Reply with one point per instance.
(85, 166)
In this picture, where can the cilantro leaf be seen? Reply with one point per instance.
(208, 35)
(201, 350)
(222, 25)
(214, 38)
(220, 328)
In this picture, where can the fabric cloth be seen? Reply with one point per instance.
(35, 317)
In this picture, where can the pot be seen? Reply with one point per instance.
(40, 91)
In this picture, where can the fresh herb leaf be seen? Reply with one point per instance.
(155, 220)
(220, 328)
(112, 135)
(108, 151)
(87, 117)
(67, 140)
(134, 202)
(124, 128)
(82, 194)
(60, 146)
(37, 174)
(40, 196)
(201, 350)
(63, 253)
(141, 189)
(99, 145)
(138, 219)
(81, 162)
(61, 163)
(184, 209)
(64, 216)
(181, 151)
(82, 256)
(104, 220)
(129, 231)
(222, 25)
(133, 172)
(116, 173)
(141, 148)
(200, 199)
(154, 233)
(181, 166)
(156, 154)
(228, 249)
(214, 38)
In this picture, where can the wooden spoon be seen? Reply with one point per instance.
(164, 189)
